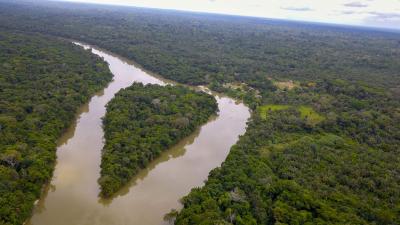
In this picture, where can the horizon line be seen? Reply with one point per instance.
(358, 26)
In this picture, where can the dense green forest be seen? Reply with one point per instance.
(338, 163)
(206, 48)
(324, 150)
(141, 122)
(43, 81)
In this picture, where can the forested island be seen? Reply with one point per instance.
(43, 81)
(144, 120)
(322, 146)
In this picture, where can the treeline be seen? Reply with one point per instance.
(285, 170)
(342, 169)
(141, 122)
(216, 49)
(43, 81)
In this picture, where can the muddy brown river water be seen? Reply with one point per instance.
(72, 196)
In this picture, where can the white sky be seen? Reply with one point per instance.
(380, 13)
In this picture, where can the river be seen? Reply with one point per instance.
(72, 198)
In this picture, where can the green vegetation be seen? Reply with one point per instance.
(141, 122)
(288, 170)
(42, 83)
(310, 115)
(266, 109)
(215, 49)
(306, 112)
(332, 157)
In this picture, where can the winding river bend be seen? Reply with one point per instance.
(72, 196)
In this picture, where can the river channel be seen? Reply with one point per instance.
(72, 197)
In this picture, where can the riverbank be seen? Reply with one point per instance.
(73, 194)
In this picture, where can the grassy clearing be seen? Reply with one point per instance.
(268, 108)
(308, 113)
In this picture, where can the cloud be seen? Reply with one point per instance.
(384, 13)
(348, 12)
(355, 5)
(380, 19)
(388, 16)
(300, 9)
